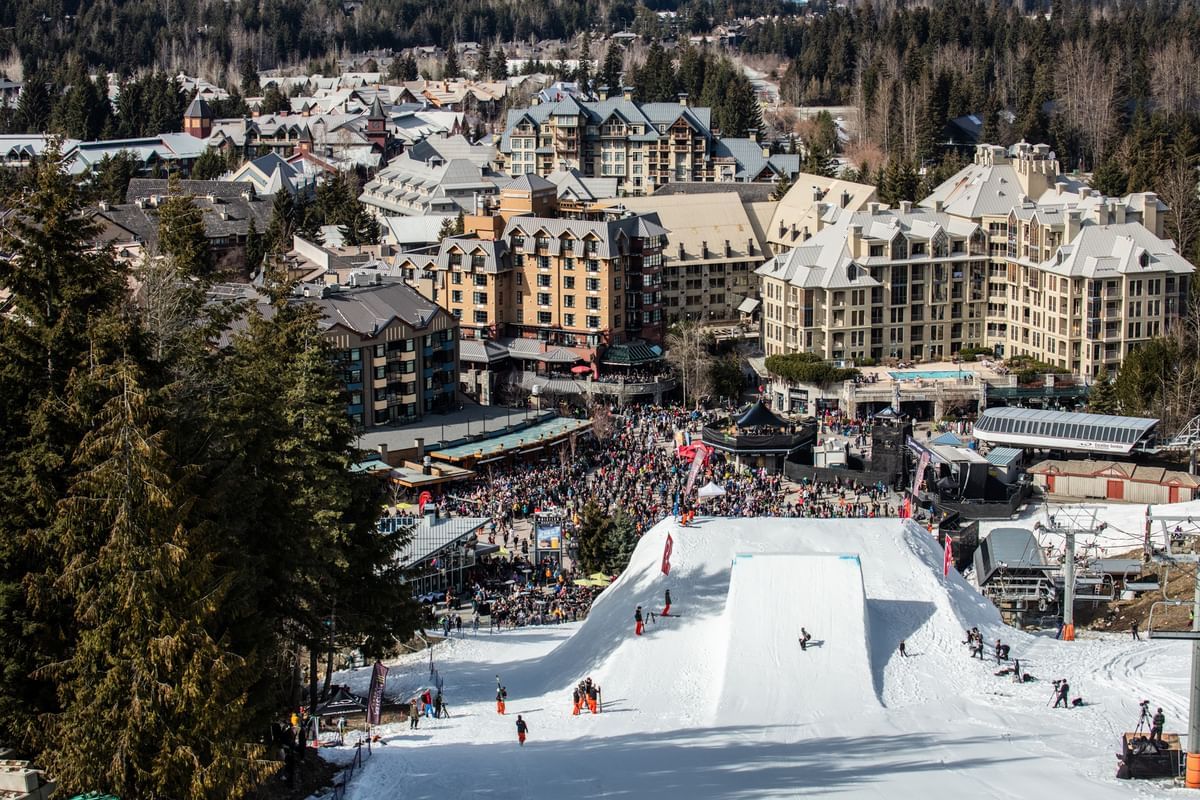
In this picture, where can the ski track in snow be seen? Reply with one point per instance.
(721, 702)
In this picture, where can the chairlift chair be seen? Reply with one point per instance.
(1154, 632)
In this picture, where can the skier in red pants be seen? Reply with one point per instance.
(522, 729)
(641, 626)
(667, 605)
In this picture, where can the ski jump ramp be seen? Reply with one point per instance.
(768, 677)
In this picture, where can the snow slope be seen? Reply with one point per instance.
(719, 701)
(825, 592)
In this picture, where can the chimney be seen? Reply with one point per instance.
(938, 205)
(816, 194)
(104, 205)
(845, 199)
(426, 465)
(627, 92)
(602, 92)
(855, 238)
(728, 250)
(681, 254)
(872, 208)
(383, 452)
(535, 100)
(419, 446)
(1072, 226)
(750, 247)
(683, 99)
(905, 206)
(704, 249)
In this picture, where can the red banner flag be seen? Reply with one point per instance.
(375, 693)
(666, 564)
(424, 498)
(949, 557)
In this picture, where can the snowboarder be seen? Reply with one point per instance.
(1064, 689)
(522, 729)
(903, 651)
(640, 627)
(1156, 726)
(804, 637)
(501, 696)
(575, 702)
(667, 604)
(1133, 629)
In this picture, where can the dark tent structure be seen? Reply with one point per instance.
(759, 416)
(341, 701)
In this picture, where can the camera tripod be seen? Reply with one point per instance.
(1144, 719)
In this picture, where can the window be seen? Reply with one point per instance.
(593, 322)
(480, 298)
(593, 303)
(543, 318)
(568, 281)
(481, 316)
(543, 281)
(569, 320)
(543, 262)
(568, 264)
(543, 298)
(456, 278)
(568, 301)
(480, 280)
(456, 296)
(593, 284)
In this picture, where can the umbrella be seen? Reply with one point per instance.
(600, 576)
(581, 369)
(590, 582)
(710, 489)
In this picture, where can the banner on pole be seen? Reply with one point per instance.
(375, 693)
(919, 478)
(948, 559)
(666, 562)
(699, 459)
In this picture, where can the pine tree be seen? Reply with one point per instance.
(209, 166)
(451, 69)
(154, 700)
(255, 247)
(249, 83)
(113, 174)
(1102, 395)
(594, 536)
(583, 75)
(499, 70)
(483, 60)
(33, 106)
(286, 221)
(614, 66)
(181, 233)
(61, 290)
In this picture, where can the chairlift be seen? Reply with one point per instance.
(1153, 632)
(1097, 587)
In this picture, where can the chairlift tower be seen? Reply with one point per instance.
(1067, 523)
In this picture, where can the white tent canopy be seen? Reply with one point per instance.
(710, 489)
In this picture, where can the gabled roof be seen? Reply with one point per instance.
(1104, 250)
(367, 311)
(198, 108)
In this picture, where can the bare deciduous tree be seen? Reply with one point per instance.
(688, 352)
(1086, 88)
(1176, 78)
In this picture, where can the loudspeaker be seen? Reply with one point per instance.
(887, 438)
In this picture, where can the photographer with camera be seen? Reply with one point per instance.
(1062, 689)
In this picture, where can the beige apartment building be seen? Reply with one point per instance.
(717, 242)
(641, 145)
(521, 275)
(1008, 253)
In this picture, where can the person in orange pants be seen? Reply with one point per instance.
(575, 702)
(591, 699)
(522, 729)
(501, 693)
(637, 617)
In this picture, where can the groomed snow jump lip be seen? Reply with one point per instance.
(768, 677)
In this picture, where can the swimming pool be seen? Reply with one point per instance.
(929, 374)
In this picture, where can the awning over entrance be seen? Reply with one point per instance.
(627, 355)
